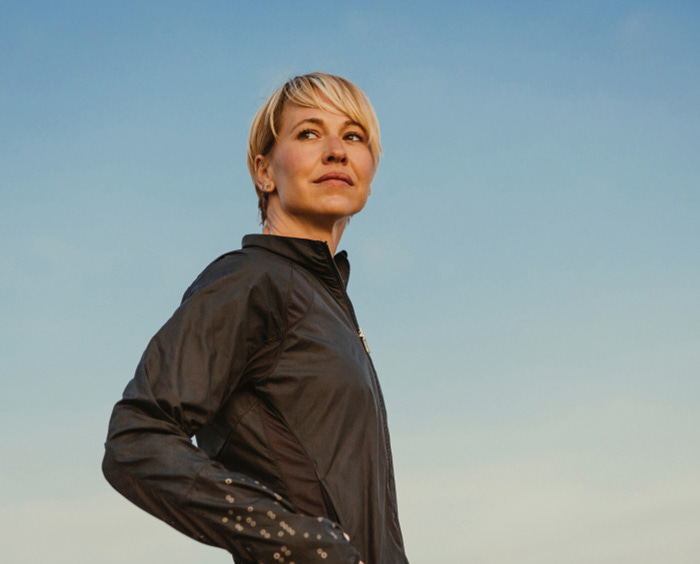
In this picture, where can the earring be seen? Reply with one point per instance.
(266, 188)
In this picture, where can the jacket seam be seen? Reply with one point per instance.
(282, 336)
(275, 461)
(299, 443)
(289, 299)
(234, 426)
(194, 480)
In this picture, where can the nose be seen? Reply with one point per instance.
(334, 151)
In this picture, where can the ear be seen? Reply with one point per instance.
(263, 174)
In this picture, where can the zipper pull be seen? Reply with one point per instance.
(364, 341)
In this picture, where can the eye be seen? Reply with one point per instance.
(307, 134)
(355, 136)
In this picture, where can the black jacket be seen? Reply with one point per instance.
(264, 362)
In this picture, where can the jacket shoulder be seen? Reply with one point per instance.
(241, 270)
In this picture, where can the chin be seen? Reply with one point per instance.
(344, 214)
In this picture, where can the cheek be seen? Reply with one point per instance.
(281, 166)
(289, 165)
(367, 169)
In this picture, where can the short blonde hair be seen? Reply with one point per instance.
(313, 90)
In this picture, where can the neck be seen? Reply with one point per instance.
(288, 227)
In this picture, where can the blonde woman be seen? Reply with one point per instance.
(265, 363)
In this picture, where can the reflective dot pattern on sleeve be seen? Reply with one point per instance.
(267, 525)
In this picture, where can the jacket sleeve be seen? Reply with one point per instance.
(188, 370)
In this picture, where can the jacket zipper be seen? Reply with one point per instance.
(364, 341)
(361, 335)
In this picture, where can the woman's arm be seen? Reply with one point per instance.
(188, 370)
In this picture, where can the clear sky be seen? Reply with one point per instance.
(527, 270)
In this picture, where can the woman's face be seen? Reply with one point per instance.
(320, 169)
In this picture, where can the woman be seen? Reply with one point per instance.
(265, 363)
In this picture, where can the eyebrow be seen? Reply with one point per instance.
(319, 121)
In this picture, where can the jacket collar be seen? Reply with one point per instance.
(312, 255)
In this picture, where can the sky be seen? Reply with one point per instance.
(526, 271)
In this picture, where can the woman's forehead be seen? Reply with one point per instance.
(295, 114)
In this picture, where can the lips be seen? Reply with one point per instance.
(339, 178)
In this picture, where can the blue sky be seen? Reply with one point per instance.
(526, 270)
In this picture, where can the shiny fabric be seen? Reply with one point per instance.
(264, 362)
